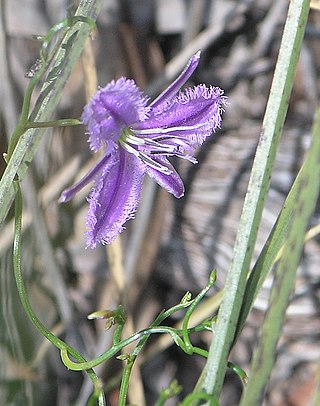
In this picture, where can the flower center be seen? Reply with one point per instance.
(142, 149)
(148, 144)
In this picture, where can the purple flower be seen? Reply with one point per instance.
(138, 138)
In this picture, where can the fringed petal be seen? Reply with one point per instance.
(114, 199)
(171, 182)
(111, 110)
(102, 165)
(175, 86)
(193, 116)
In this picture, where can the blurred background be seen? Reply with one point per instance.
(172, 245)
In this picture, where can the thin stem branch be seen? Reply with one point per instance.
(64, 122)
(17, 248)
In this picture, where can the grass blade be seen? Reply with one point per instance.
(269, 253)
(213, 375)
(284, 279)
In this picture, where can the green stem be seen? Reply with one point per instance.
(23, 121)
(197, 396)
(21, 127)
(211, 380)
(125, 381)
(65, 23)
(128, 369)
(184, 343)
(143, 335)
(285, 273)
(65, 122)
(84, 365)
(17, 245)
(185, 331)
(24, 145)
(23, 124)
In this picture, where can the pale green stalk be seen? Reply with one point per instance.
(48, 100)
(213, 375)
(61, 345)
(285, 274)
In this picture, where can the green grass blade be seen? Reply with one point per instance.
(316, 395)
(284, 279)
(47, 102)
(269, 252)
(213, 375)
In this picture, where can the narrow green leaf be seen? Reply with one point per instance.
(316, 395)
(269, 253)
(284, 278)
(213, 374)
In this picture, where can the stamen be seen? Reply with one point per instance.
(160, 147)
(129, 148)
(155, 165)
(135, 140)
(177, 154)
(176, 141)
(147, 131)
(128, 136)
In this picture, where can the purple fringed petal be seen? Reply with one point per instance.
(172, 182)
(175, 86)
(114, 198)
(111, 110)
(191, 117)
(103, 164)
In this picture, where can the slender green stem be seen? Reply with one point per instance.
(143, 335)
(17, 246)
(213, 374)
(117, 334)
(184, 343)
(81, 366)
(65, 122)
(285, 273)
(125, 380)
(185, 331)
(21, 127)
(63, 24)
(173, 390)
(269, 253)
(128, 369)
(23, 121)
(25, 144)
(198, 396)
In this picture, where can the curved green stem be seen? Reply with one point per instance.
(17, 244)
(239, 371)
(127, 371)
(200, 396)
(85, 365)
(184, 344)
(195, 302)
